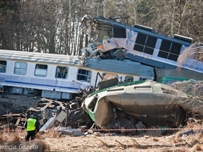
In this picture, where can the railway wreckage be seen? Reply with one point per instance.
(131, 105)
(130, 99)
(115, 40)
(152, 103)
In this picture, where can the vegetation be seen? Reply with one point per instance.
(53, 26)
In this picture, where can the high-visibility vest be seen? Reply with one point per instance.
(31, 124)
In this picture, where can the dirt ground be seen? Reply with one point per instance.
(150, 141)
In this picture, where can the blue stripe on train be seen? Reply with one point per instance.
(17, 82)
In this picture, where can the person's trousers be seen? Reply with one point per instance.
(30, 134)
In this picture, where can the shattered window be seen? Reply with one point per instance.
(128, 79)
(61, 72)
(3, 66)
(92, 104)
(41, 70)
(106, 76)
(84, 75)
(143, 89)
(20, 68)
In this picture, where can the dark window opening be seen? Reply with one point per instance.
(145, 43)
(84, 75)
(61, 72)
(173, 57)
(170, 50)
(93, 104)
(165, 45)
(129, 79)
(138, 47)
(3, 66)
(162, 54)
(148, 50)
(141, 39)
(175, 48)
(151, 41)
(119, 32)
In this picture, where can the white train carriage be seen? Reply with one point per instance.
(61, 76)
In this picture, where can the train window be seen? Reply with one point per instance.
(128, 79)
(61, 72)
(84, 75)
(20, 68)
(144, 89)
(138, 47)
(173, 57)
(151, 41)
(148, 50)
(169, 50)
(3, 66)
(145, 43)
(163, 54)
(92, 104)
(41, 70)
(141, 38)
(165, 45)
(106, 76)
(119, 32)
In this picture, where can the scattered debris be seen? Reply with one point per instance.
(69, 131)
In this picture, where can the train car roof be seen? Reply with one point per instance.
(38, 57)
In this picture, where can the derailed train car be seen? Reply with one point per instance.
(61, 76)
(113, 39)
(147, 101)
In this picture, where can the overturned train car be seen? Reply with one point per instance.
(147, 101)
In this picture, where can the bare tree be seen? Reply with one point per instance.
(54, 26)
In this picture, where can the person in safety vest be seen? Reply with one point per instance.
(32, 127)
